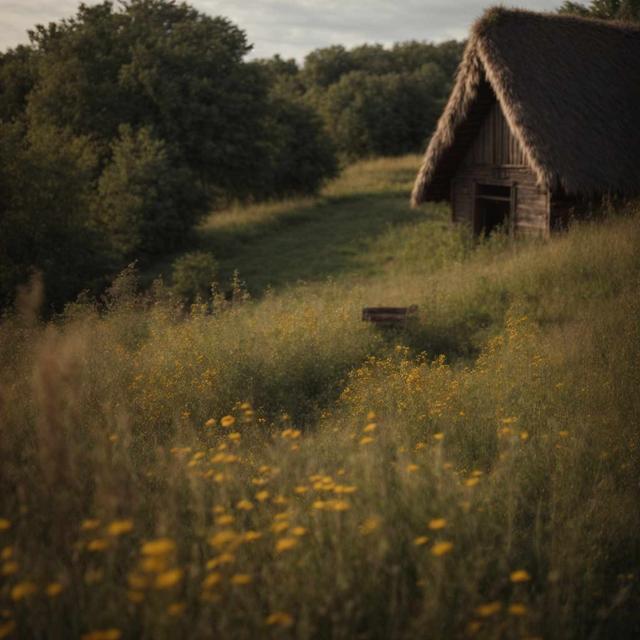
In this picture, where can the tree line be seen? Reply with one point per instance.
(122, 126)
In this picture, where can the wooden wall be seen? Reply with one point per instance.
(495, 157)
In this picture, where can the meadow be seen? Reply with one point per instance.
(264, 464)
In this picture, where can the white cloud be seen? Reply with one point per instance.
(295, 27)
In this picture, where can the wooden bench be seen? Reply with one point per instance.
(389, 316)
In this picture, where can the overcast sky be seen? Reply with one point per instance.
(292, 28)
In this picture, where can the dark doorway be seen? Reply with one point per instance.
(493, 208)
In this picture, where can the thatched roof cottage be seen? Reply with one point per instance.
(544, 117)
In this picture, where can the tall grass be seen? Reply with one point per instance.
(281, 469)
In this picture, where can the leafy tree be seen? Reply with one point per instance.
(175, 119)
(194, 275)
(605, 9)
(301, 156)
(383, 115)
(324, 67)
(16, 82)
(45, 190)
(158, 64)
(144, 202)
(375, 100)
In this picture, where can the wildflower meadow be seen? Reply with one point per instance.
(269, 466)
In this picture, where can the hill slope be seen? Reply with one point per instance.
(281, 468)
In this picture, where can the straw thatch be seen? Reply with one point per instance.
(569, 88)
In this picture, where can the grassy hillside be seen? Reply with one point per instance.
(281, 469)
(361, 225)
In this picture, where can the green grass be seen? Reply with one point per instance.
(361, 225)
(506, 414)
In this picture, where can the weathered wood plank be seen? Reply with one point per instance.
(388, 315)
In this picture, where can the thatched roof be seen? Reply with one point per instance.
(569, 88)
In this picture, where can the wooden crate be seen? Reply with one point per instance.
(389, 316)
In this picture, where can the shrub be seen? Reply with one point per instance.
(144, 201)
(193, 276)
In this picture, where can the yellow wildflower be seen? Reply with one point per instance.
(159, 547)
(438, 436)
(210, 423)
(437, 523)
(154, 564)
(23, 590)
(225, 520)
(9, 568)
(227, 421)
(90, 525)
(509, 420)
(520, 576)
(241, 579)
(298, 531)
(412, 468)
(285, 544)
(261, 496)
(99, 544)
(244, 505)
(370, 525)
(441, 548)
(7, 628)
(517, 609)
(251, 536)
(279, 619)
(211, 580)
(120, 527)
(371, 427)
(168, 579)
(5, 524)
(489, 609)
(235, 436)
(103, 634)
(223, 538)
(366, 440)
(279, 527)
(53, 589)
(344, 488)
(563, 434)
(471, 482)
(421, 540)
(7, 553)
(223, 558)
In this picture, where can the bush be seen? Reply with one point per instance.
(144, 201)
(193, 276)
(301, 156)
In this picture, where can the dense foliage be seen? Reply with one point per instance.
(120, 127)
(373, 100)
(605, 9)
(281, 469)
